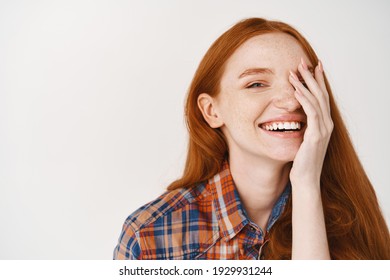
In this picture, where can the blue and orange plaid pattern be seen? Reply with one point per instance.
(207, 221)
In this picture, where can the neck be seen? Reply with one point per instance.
(259, 182)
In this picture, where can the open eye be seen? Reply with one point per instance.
(256, 85)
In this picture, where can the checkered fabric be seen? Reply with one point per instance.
(207, 221)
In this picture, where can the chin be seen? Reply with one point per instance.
(284, 156)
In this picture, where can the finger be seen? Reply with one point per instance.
(316, 86)
(313, 129)
(309, 79)
(325, 123)
(315, 122)
(308, 95)
(319, 76)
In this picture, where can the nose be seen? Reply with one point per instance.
(286, 100)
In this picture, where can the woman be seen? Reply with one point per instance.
(271, 172)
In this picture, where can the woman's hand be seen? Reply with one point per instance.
(308, 222)
(307, 165)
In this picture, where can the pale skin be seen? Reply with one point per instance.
(267, 80)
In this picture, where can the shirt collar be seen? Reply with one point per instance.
(229, 210)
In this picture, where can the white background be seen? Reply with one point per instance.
(92, 96)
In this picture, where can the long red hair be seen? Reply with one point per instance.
(355, 226)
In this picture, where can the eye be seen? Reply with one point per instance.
(256, 85)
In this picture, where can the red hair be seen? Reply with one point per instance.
(355, 226)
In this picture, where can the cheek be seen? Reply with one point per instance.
(240, 110)
(239, 113)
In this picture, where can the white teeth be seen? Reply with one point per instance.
(294, 125)
(283, 125)
(287, 125)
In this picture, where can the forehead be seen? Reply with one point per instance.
(268, 50)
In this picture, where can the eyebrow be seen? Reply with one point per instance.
(254, 71)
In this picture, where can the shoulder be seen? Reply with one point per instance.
(166, 204)
(171, 226)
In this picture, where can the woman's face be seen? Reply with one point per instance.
(256, 104)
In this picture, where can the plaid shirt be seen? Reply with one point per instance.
(207, 221)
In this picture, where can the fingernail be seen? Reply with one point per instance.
(320, 66)
(292, 74)
(304, 65)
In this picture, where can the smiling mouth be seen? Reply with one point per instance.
(291, 126)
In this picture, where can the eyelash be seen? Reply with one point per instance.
(257, 83)
(263, 85)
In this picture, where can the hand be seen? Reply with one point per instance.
(307, 165)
